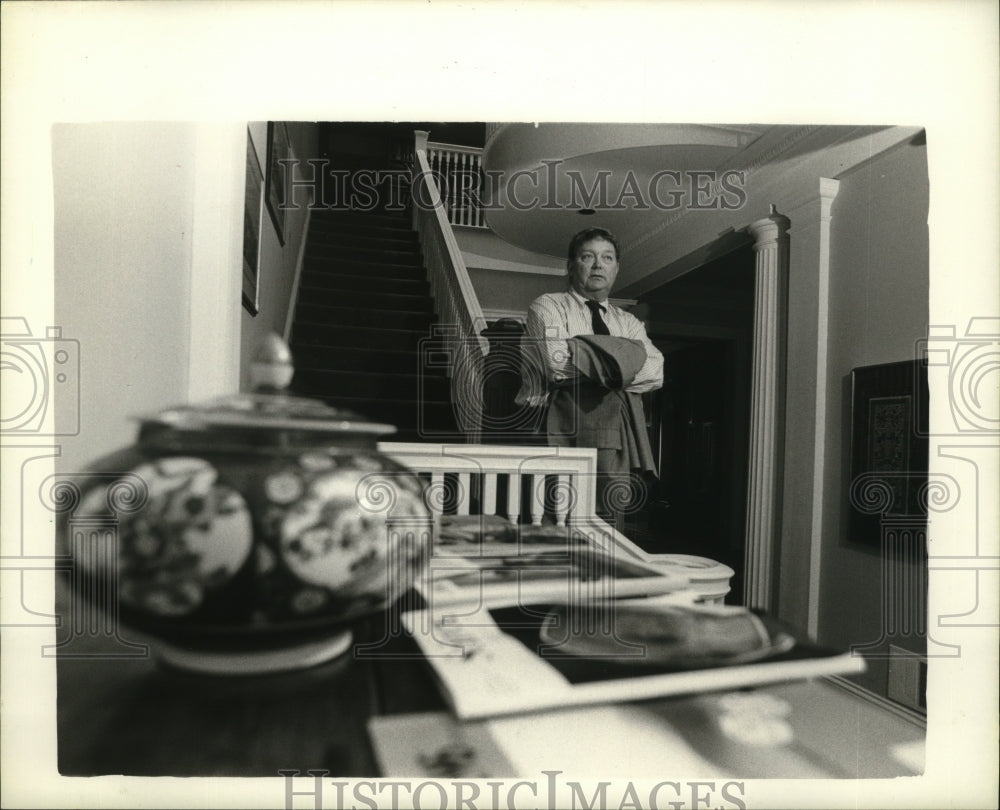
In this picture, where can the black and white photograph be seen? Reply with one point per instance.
(599, 411)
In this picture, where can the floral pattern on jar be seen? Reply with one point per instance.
(192, 535)
(341, 535)
(327, 539)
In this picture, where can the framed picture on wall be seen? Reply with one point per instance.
(889, 406)
(278, 149)
(251, 229)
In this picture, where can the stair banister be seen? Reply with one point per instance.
(458, 309)
(461, 169)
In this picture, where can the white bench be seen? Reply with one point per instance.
(471, 476)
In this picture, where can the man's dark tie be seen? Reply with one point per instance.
(596, 321)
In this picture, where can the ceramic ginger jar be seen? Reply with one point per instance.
(251, 530)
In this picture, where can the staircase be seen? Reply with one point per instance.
(363, 309)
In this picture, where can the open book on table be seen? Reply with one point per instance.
(514, 658)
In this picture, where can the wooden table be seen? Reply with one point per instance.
(133, 716)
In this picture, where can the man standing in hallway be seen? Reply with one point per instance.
(588, 362)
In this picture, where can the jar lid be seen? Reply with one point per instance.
(269, 408)
(268, 412)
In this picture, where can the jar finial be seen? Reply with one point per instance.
(271, 368)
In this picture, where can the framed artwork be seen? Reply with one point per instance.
(278, 149)
(251, 229)
(888, 449)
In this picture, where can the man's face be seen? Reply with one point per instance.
(594, 270)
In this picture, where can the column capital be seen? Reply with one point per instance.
(769, 230)
(420, 138)
(828, 189)
(819, 198)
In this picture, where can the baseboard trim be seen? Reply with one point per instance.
(898, 709)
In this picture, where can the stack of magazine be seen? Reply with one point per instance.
(486, 559)
(523, 619)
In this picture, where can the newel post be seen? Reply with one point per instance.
(420, 137)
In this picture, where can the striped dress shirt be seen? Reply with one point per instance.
(552, 319)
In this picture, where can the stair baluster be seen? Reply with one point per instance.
(460, 318)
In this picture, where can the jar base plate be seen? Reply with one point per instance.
(256, 662)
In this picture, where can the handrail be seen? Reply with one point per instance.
(460, 316)
(458, 170)
(493, 129)
(455, 147)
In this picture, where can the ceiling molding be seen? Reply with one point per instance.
(751, 167)
(780, 166)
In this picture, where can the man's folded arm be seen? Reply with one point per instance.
(545, 353)
(650, 376)
(548, 335)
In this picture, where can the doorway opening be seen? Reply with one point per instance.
(699, 421)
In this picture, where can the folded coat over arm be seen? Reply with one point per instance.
(595, 410)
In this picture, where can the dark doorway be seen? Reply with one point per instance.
(700, 496)
(699, 421)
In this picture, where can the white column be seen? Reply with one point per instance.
(828, 189)
(767, 408)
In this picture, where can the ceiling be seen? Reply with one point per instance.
(674, 195)
(623, 177)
